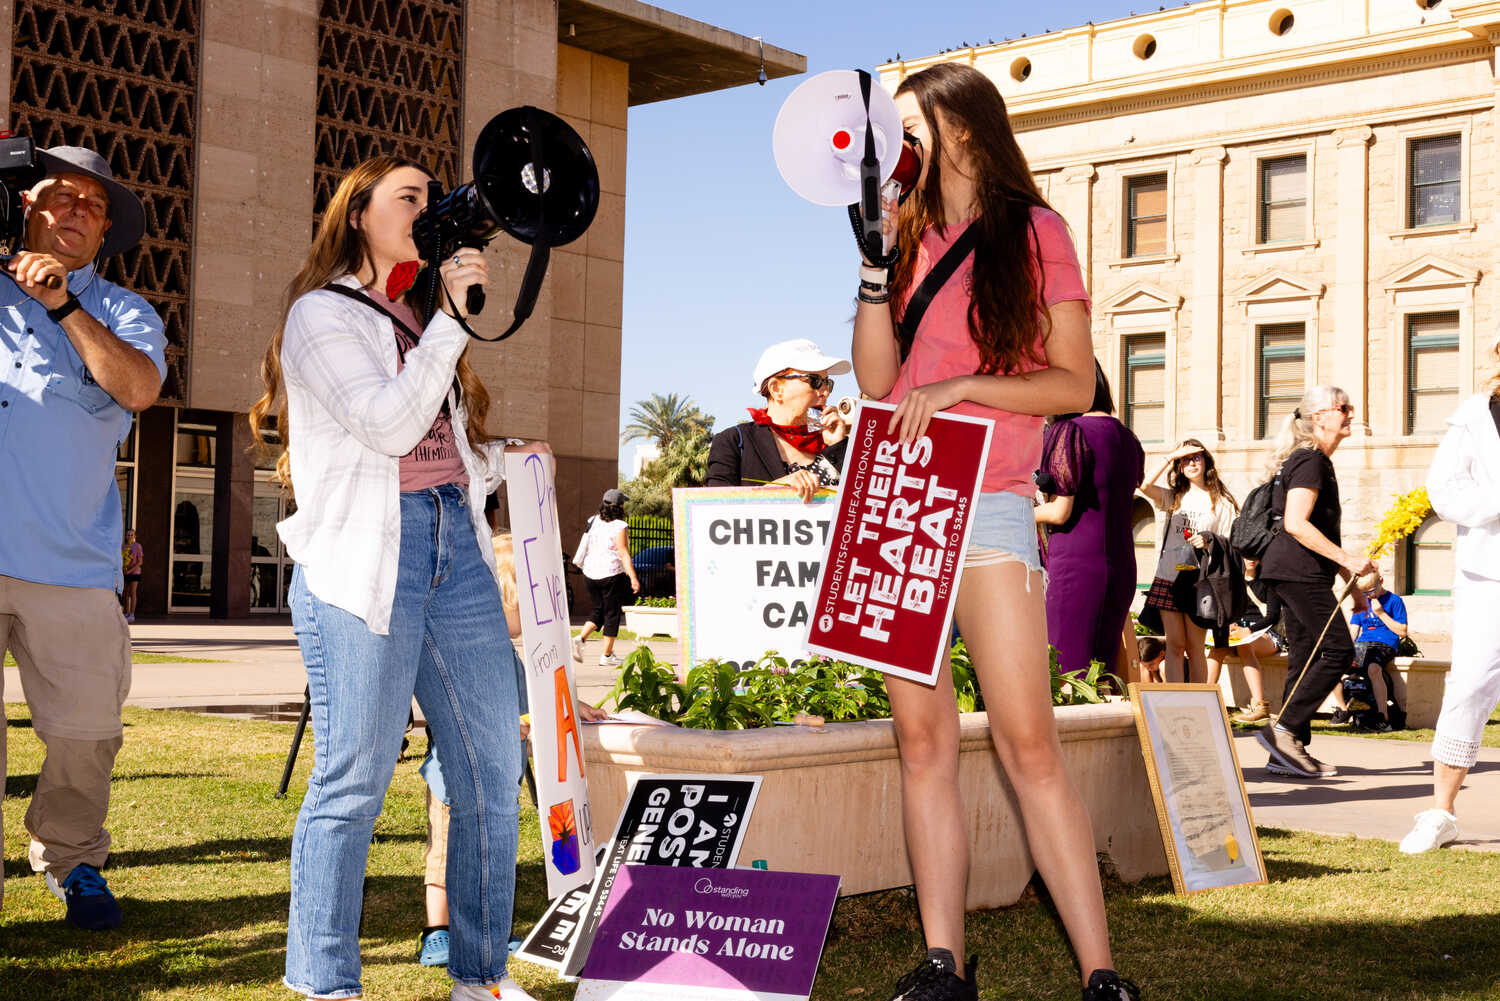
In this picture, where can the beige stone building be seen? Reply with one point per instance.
(233, 119)
(1267, 195)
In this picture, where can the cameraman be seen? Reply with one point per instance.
(75, 360)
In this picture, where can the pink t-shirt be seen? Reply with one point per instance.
(943, 348)
(435, 460)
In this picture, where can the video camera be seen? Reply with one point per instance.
(20, 170)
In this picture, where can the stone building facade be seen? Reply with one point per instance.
(233, 119)
(1267, 196)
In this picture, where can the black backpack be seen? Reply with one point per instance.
(1259, 521)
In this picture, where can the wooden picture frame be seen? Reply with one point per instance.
(1201, 804)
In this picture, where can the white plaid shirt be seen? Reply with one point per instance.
(352, 416)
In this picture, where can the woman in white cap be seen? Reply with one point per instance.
(779, 444)
(604, 558)
(1464, 484)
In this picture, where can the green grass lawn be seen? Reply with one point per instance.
(145, 658)
(201, 869)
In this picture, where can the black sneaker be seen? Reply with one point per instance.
(1107, 985)
(1397, 717)
(1339, 717)
(932, 981)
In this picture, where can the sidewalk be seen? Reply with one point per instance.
(257, 664)
(1381, 783)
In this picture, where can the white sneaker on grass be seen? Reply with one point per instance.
(1434, 829)
(609, 660)
(578, 650)
(505, 990)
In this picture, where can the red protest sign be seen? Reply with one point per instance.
(890, 574)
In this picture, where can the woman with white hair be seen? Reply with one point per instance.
(781, 443)
(1464, 486)
(1300, 565)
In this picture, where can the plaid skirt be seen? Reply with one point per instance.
(1162, 596)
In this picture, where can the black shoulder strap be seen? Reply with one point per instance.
(916, 307)
(360, 297)
(349, 293)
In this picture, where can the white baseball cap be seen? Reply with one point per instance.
(801, 354)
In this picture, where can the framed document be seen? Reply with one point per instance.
(1201, 803)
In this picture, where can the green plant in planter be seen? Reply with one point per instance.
(965, 681)
(839, 691)
(649, 686)
(1073, 690)
(715, 701)
(656, 603)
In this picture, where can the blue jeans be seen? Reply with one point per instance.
(447, 629)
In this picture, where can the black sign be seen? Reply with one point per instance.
(547, 945)
(676, 820)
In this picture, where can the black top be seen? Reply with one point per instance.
(1288, 559)
(746, 453)
(1495, 412)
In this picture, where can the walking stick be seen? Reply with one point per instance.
(291, 754)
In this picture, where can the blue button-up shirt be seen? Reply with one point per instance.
(60, 519)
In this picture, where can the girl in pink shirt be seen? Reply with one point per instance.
(1006, 339)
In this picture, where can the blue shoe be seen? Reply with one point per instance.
(515, 944)
(90, 904)
(433, 948)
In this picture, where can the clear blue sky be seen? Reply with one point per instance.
(721, 258)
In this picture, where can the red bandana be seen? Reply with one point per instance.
(401, 278)
(803, 439)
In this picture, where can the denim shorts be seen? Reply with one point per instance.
(1004, 531)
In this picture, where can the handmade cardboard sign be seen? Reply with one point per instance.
(669, 820)
(890, 575)
(562, 792)
(736, 935)
(748, 559)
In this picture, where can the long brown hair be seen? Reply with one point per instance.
(1006, 306)
(339, 249)
(1178, 484)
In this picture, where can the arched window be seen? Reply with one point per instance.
(1143, 527)
(1429, 558)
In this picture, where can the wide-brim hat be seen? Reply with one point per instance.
(801, 354)
(127, 217)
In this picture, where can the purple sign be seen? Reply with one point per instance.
(728, 933)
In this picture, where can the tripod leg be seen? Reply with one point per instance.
(291, 754)
(528, 776)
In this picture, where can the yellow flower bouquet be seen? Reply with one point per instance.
(1404, 517)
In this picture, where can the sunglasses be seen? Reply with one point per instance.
(813, 379)
(1345, 409)
(1199, 457)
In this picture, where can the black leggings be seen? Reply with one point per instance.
(609, 597)
(1306, 607)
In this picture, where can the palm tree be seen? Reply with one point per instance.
(663, 419)
(684, 463)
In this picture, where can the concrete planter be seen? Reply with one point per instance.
(644, 620)
(830, 799)
(1425, 679)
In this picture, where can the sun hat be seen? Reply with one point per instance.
(801, 354)
(127, 218)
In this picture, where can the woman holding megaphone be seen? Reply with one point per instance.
(1005, 338)
(394, 592)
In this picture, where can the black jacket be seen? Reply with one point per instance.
(747, 453)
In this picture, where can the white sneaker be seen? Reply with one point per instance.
(505, 990)
(1434, 829)
(578, 650)
(130, 618)
(609, 660)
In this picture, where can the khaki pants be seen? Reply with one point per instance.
(73, 650)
